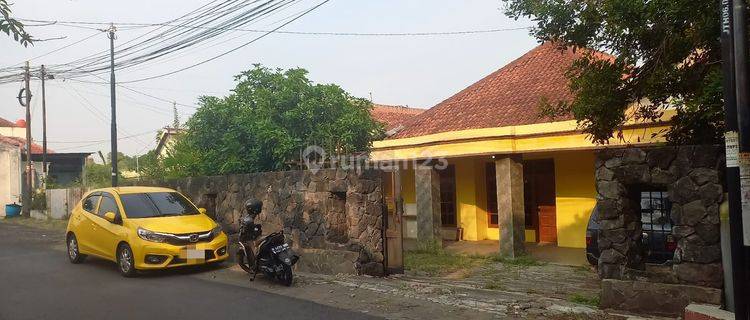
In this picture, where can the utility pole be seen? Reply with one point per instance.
(113, 155)
(44, 75)
(737, 139)
(29, 164)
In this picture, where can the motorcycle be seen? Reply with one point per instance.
(274, 256)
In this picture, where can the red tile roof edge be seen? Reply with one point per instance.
(21, 143)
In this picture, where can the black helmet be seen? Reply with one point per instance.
(253, 206)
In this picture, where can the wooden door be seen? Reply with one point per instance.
(547, 224)
(539, 198)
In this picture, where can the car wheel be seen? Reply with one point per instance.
(125, 261)
(74, 253)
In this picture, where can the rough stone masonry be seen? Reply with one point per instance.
(334, 216)
(692, 175)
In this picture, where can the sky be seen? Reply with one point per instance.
(418, 71)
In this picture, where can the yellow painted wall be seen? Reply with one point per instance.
(574, 188)
(482, 220)
(465, 143)
(530, 235)
(466, 197)
(408, 186)
(575, 194)
(471, 197)
(494, 234)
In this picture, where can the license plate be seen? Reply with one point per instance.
(191, 253)
(280, 248)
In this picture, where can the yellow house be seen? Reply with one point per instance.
(484, 165)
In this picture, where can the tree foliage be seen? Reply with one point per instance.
(666, 55)
(11, 26)
(98, 175)
(270, 117)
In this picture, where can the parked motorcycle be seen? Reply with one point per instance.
(274, 256)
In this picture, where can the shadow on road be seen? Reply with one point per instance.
(100, 263)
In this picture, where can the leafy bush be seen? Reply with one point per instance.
(270, 117)
(39, 200)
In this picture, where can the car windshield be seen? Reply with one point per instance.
(156, 204)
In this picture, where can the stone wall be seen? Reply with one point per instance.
(333, 217)
(693, 176)
(654, 298)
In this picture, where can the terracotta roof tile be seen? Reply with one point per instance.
(6, 123)
(21, 143)
(393, 116)
(509, 96)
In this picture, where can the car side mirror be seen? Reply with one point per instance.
(202, 210)
(110, 216)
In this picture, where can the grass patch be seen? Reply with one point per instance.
(592, 301)
(431, 259)
(49, 224)
(495, 282)
(583, 270)
(439, 264)
(521, 261)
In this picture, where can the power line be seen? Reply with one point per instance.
(136, 103)
(98, 114)
(314, 33)
(230, 51)
(184, 38)
(136, 91)
(106, 140)
(59, 49)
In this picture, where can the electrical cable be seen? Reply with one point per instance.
(230, 51)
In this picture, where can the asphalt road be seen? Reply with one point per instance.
(38, 282)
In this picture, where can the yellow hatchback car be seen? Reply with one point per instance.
(143, 228)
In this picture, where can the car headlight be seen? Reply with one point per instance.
(216, 231)
(149, 235)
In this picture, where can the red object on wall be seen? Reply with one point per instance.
(21, 123)
(706, 312)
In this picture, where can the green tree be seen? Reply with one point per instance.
(98, 175)
(175, 117)
(11, 26)
(150, 166)
(270, 117)
(666, 55)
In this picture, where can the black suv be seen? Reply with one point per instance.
(658, 242)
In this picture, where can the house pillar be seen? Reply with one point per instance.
(511, 218)
(427, 183)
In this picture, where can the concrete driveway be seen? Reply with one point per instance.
(38, 282)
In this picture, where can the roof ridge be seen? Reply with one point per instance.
(380, 105)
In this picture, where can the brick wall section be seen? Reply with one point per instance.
(330, 213)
